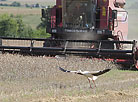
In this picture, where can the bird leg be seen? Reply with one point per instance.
(90, 83)
(94, 83)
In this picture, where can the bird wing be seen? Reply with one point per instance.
(101, 72)
(66, 70)
(94, 73)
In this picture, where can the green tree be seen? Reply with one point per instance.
(37, 5)
(8, 26)
(27, 5)
(28, 32)
(41, 33)
(45, 18)
(23, 30)
(13, 26)
(16, 4)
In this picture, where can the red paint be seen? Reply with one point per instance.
(136, 54)
(56, 10)
(58, 2)
(53, 17)
(136, 65)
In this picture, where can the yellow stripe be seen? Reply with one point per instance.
(104, 0)
(59, 6)
(103, 11)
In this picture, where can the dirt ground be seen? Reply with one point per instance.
(108, 96)
(38, 79)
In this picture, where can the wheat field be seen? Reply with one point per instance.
(20, 11)
(38, 79)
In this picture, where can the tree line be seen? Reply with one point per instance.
(13, 26)
(14, 4)
(18, 4)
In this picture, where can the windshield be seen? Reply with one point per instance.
(77, 13)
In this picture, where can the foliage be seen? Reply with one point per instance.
(16, 4)
(45, 20)
(27, 5)
(41, 33)
(13, 26)
(37, 5)
(1, 4)
(42, 24)
(8, 26)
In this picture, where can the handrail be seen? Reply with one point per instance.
(64, 40)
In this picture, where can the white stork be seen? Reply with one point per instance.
(91, 75)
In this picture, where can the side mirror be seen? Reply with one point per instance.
(114, 14)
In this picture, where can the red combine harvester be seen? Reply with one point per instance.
(102, 24)
(90, 28)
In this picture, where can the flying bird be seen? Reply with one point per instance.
(90, 75)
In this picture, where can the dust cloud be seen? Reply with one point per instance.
(82, 36)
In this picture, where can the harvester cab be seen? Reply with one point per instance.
(94, 19)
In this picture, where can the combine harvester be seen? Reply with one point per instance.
(89, 28)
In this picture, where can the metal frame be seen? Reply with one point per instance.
(69, 50)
